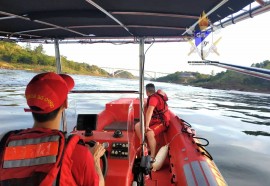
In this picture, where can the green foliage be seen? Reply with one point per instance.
(174, 78)
(224, 80)
(39, 49)
(264, 64)
(123, 74)
(36, 59)
(235, 80)
(184, 77)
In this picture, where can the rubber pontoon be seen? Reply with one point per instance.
(187, 162)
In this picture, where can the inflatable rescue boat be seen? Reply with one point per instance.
(186, 161)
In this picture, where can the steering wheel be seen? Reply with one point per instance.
(103, 158)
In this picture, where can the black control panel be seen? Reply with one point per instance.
(119, 150)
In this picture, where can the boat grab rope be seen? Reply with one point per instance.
(199, 144)
(187, 128)
(204, 151)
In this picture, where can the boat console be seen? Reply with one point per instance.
(115, 126)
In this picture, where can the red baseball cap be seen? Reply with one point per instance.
(48, 91)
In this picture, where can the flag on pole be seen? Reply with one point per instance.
(200, 36)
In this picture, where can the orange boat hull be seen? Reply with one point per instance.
(186, 164)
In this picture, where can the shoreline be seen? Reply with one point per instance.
(40, 68)
(5, 65)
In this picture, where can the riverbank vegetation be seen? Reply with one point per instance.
(228, 80)
(14, 56)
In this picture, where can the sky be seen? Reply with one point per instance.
(243, 43)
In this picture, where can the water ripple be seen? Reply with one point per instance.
(236, 123)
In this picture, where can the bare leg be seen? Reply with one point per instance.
(138, 133)
(152, 142)
(138, 130)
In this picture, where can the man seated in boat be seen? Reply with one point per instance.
(156, 117)
(43, 155)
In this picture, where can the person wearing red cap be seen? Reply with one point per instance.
(46, 96)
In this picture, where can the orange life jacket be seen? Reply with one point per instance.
(34, 157)
(160, 113)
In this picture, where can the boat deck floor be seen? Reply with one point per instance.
(161, 177)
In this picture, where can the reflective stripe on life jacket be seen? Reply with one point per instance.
(29, 155)
(160, 113)
(37, 157)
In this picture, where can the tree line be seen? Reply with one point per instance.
(228, 80)
(15, 54)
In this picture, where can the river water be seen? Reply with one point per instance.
(237, 124)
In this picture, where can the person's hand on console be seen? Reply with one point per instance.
(97, 151)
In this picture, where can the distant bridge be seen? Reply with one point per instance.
(135, 72)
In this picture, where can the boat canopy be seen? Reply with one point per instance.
(93, 20)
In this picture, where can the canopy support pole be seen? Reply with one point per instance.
(141, 91)
(58, 71)
(57, 56)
